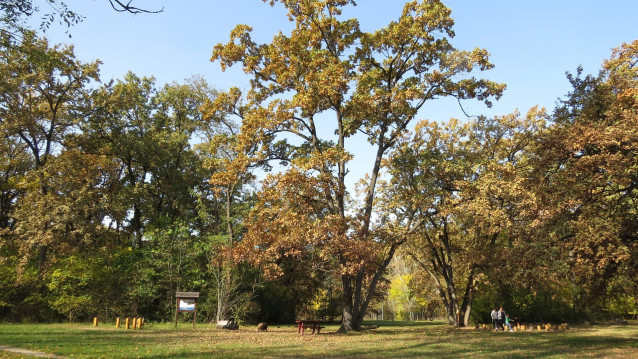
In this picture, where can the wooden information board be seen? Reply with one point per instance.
(186, 302)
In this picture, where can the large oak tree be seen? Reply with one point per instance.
(328, 77)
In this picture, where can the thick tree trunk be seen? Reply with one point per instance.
(466, 315)
(347, 311)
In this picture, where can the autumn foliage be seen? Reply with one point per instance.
(247, 195)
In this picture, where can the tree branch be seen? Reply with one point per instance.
(119, 6)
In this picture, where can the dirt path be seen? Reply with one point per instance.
(28, 352)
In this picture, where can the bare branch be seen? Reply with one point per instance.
(119, 6)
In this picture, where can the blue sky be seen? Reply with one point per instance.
(532, 43)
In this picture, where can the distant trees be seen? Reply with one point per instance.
(528, 209)
(105, 201)
(467, 183)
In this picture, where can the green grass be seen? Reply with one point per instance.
(390, 340)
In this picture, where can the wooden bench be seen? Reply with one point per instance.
(315, 325)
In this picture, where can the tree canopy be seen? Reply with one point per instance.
(329, 73)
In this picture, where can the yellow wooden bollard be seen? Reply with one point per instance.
(141, 322)
(538, 327)
(95, 322)
(128, 323)
(117, 322)
(134, 323)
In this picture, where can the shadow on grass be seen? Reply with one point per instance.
(396, 323)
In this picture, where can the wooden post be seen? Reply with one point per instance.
(95, 322)
(134, 323)
(128, 323)
(117, 322)
(176, 310)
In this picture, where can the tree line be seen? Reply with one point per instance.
(116, 195)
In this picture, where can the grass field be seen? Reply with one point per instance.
(390, 340)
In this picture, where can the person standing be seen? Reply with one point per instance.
(501, 318)
(494, 316)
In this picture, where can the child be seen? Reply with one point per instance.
(508, 322)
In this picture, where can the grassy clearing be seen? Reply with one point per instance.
(390, 340)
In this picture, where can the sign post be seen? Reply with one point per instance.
(186, 302)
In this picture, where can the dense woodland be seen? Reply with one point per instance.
(115, 195)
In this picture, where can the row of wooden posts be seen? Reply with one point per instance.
(539, 327)
(137, 323)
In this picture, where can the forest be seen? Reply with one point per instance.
(115, 195)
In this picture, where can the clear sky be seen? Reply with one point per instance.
(532, 43)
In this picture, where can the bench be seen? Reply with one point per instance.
(315, 325)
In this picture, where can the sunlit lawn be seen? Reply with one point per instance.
(390, 340)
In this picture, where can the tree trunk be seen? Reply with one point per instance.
(347, 311)
(468, 298)
(466, 315)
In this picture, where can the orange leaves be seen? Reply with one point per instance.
(292, 219)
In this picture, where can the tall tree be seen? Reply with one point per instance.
(43, 92)
(589, 180)
(327, 69)
(467, 183)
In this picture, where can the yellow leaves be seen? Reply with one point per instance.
(223, 104)
(239, 46)
(320, 160)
